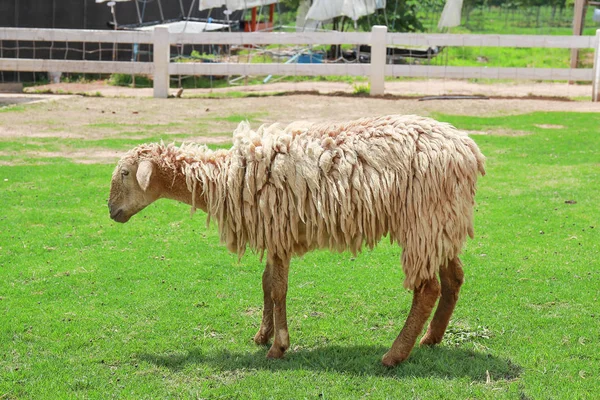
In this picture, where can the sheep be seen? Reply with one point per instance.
(339, 186)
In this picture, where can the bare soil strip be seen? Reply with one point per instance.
(213, 120)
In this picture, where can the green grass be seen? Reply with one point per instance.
(11, 108)
(128, 80)
(237, 118)
(361, 89)
(108, 133)
(52, 144)
(157, 308)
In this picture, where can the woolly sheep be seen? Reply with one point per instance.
(341, 186)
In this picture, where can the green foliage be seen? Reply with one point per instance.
(237, 118)
(522, 21)
(399, 16)
(361, 89)
(12, 108)
(97, 93)
(157, 308)
(195, 54)
(203, 81)
(187, 82)
(73, 77)
(292, 4)
(128, 80)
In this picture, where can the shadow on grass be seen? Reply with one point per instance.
(440, 362)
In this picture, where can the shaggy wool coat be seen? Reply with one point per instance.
(342, 186)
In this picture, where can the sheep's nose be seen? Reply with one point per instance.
(117, 215)
(112, 210)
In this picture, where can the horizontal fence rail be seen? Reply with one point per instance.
(310, 38)
(75, 35)
(73, 66)
(403, 39)
(379, 39)
(461, 40)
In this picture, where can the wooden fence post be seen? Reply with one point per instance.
(596, 75)
(162, 57)
(378, 59)
(578, 18)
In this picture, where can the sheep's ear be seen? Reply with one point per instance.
(144, 173)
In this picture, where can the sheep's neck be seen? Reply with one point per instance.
(176, 188)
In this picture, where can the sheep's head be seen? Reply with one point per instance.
(134, 186)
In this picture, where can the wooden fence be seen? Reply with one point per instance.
(379, 40)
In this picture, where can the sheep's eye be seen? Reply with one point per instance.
(124, 172)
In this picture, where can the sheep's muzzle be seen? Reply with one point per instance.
(117, 214)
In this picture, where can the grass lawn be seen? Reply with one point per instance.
(157, 308)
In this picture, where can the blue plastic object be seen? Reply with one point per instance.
(310, 58)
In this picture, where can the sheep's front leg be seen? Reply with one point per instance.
(266, 326)
(279, 286)
(452, 277)
(424, 299)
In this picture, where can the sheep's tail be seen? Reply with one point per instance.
(478, 156)
(480, 162)
(480, 159)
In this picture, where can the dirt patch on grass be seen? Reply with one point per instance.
(98, 118)
(87, 156)
(549, 126)
(92, 121)
(92, 155)
(500, 132)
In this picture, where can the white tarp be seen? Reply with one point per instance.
(233, 5)
(323, 10)
(596, 16)
(303, 24)
(187, 27)
(451, 14)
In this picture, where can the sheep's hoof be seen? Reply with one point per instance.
(430, 340)
(275, 352)
(261, 338)
(391, 360)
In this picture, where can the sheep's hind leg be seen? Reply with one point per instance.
(266, 326)
(424, 298)
(451, 277)
(279, 286)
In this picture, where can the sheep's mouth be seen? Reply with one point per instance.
(119, 216)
